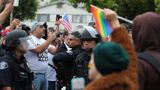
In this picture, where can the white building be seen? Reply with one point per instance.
(77, 16)
(43, 2)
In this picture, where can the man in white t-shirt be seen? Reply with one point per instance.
(37, 57)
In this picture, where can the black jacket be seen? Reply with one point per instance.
(2, 50)
(62, 47)
(81, 65)
(14, 73)
(66, 60)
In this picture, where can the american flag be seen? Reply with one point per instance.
(65, 22)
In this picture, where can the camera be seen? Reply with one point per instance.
(45, 33)
(26, 28)
(45, 25)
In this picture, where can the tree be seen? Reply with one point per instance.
(125, 8)
(157, 3)
(99, 3)
(26, 10)
(131, 8)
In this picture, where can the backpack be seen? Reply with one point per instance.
(150, 59)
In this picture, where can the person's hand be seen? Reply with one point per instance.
(57, 28)
(58, 41)
(111, 17)
(51, 36)
(15, 22)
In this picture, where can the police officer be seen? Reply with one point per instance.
(14, 72)
(89, 38)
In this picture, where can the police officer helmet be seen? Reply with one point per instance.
(89, 33)
(12, 38)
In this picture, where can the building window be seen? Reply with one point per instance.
(79, 18)
(59, 5)
(43, 17)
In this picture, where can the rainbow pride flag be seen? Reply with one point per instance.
(102, 24)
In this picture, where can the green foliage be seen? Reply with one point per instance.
(131, 8)
(101, 3)
(157, 3)
(26, 9)
(125, 8)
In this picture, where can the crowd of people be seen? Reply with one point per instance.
(43, 58)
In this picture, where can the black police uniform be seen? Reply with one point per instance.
(65, 63)
(14, 73)
(2, 50)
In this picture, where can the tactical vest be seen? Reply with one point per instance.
(22, 76)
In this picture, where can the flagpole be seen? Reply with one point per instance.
(11, 15)
(15, 4)
(124, 19)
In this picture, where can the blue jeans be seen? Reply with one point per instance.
(40, 82)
